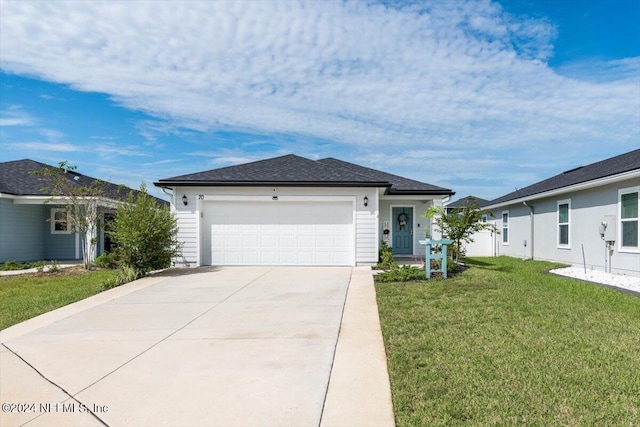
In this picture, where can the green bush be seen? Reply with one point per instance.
(452, 266)
(109, 261)
(54, 267)
(385, 257)
(39, 266)
(406, 273)
(10, 265)
(124, 274)
(146, 234)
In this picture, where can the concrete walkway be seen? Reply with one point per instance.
(243, 346)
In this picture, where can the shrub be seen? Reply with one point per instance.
(54, 267)
(406, 273)
(10, 265)
(39, 266)
(385, 257)
(124, 274)
(146, 234)
(109, 261)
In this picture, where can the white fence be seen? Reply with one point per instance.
(484, 244)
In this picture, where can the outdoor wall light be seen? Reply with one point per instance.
(184, 199)
(366, 201)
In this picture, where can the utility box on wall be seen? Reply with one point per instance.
(609, 222)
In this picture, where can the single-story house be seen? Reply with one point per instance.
(36, 226)
(465, 201)
(291, 210)
(584, 216)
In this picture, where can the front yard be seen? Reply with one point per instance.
(25, 296)
(504, 343)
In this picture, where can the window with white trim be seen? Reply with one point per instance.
(60, 221)
(564, 220)
(505, 227)
(628, 210)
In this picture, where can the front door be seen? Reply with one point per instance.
(402, 219)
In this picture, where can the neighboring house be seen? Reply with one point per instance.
(465, 201)
(561, 218)
(291, 210)
(35, 226)
(483, 242)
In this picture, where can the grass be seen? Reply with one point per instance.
(25, 296)
(504, 343)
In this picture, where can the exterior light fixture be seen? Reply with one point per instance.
(366, 201)
(184, 199)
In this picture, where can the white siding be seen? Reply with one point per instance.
(366, 238)
(187, 218)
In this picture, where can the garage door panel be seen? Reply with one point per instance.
(290, 233)
(251, 240)
(269, 241)
(305, 242)
(324, 242)
(287, 257)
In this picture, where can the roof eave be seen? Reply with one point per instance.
(443, 192)
(568, 189)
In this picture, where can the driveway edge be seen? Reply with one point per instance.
(50, 317)
(359, 391)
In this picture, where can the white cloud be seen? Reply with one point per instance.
(46, 146)
(14, 115)
(437, 75)
(14, 122)
(112, 149)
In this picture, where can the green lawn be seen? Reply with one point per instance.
(504, 343)
(25, 296)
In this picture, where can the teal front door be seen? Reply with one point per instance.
(402, 219)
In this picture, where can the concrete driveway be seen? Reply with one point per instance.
(233, 346)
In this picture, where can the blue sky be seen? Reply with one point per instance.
(478, 96)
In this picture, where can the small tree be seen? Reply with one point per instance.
(460, 224)
(145, 233)
(81, 197)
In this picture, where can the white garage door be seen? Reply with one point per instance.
(278, 233)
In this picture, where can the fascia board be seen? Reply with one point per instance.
(41, 200)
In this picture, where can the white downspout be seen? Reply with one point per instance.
(532, 227)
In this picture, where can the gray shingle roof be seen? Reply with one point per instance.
(295, 170)
(466, 201)
(399, 184)
(613, 166)
(17, 178)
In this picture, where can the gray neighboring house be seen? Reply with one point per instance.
(291, 210)
(594, 207)
(465, 201)
(33, 226)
